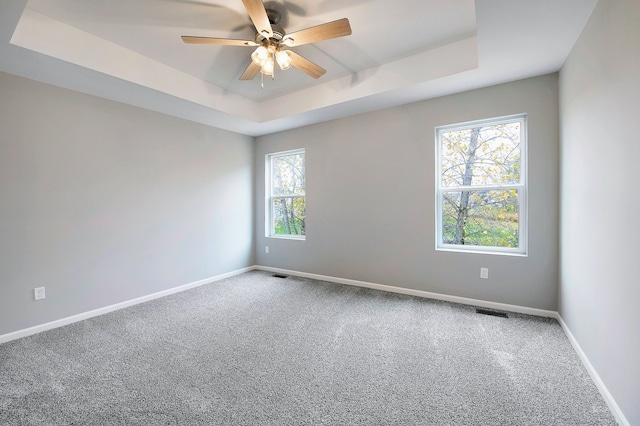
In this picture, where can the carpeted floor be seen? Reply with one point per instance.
(254, 349)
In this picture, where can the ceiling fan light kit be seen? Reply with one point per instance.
(283, 59)
(271, 40)
(267, 55)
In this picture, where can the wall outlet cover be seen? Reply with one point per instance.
(38, 293)
(484, 273)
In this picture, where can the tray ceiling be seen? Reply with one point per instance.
(402, 51)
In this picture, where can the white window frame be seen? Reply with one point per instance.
(269, 225)
(521, 187)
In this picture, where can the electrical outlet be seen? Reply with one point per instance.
(38, 293)
(484, 273)
(266, 249)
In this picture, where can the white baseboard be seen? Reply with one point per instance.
(611, 403)
(419, 293)
(101, 311)
(613, 406)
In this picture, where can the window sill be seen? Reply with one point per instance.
(480, 251)
(288, 237)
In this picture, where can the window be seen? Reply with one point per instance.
(481, 186)
(286, 194)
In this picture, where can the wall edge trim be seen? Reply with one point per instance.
(14, 335)
(604, 391)
(418, 293)
(606, 395)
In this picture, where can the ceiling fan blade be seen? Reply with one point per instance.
(222, 41)
(334, 29)
(258, 15)
(306, 65)
(250, 72)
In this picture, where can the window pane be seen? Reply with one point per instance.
(481, 218)
(289, 216)
(486, 155)
(288, 175)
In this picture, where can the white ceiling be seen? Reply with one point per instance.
(401, 51)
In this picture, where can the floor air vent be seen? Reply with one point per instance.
(492, 313)
(279, 276)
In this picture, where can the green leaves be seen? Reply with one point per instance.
(494, 159)
(288, 202)
(489, 220)
(289, 215)
(480, 184)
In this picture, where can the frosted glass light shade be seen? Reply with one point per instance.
(260, 55)
(267, 67)
(283, 59)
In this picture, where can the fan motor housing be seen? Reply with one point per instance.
(274, 16)
(278, 35)
(278, 32)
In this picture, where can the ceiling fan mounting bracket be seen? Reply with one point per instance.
(274, 16)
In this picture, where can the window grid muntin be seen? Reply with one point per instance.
(270, 198)
(521, 187)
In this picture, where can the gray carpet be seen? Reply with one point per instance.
(255, 349)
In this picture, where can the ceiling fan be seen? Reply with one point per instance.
(272, 42)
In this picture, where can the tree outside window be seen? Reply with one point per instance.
(287, 194)
(481, 194)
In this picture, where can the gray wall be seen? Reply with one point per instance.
(371, 199)
(600, 148)
(102, 202)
